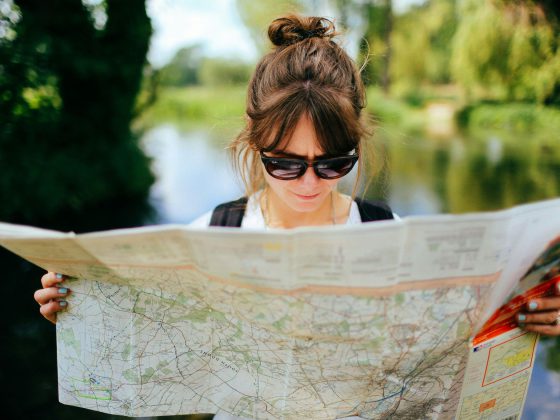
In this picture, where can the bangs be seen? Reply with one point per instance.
(337, 125)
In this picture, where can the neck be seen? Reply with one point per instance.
(333, 210)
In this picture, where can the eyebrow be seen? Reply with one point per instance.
(282, 153)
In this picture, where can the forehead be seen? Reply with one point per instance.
(303, 142)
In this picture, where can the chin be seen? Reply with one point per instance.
(306, 206)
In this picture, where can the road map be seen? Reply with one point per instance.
(374, 321)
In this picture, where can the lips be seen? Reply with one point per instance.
(307, 196)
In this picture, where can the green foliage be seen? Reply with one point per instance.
(183, 69)
(394, 112)
(374, 48)
(421, 42)
(553, 354)
(190, 67)
(67, 94)
(507, 51)
(514, 117)
(205, 105)
(219, 72)
(497, 49)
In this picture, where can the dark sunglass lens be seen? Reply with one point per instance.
(284, 168)
(334, 168)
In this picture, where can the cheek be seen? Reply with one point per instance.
(274, 184)
(331, 184)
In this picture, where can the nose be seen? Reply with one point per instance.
(309, 178)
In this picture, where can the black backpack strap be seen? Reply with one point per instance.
(229, 214)
(371, 211)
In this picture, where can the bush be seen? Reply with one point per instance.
(516, 117)
(219, 72)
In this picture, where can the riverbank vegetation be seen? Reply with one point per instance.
(489, 65)
(67, 97)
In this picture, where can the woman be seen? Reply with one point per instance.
(305, 130)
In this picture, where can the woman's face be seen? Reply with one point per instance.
(307, 193)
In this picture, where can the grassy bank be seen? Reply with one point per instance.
(394, 112)
(201, 105)
(197, 106)
(223, 108)
(513, 117)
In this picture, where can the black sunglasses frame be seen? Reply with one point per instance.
(304, 164)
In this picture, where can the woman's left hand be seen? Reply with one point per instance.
(542, 315)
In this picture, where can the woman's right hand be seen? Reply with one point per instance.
(51, 296)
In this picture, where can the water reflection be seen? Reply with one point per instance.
(470, 174)
(543, 398)
(193, 174)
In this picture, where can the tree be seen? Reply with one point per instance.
(67, 94)
(183, 68)
(375, 45)
(422, 39)
(508, 50)
(219, 71)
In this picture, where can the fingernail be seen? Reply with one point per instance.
(62, 290)
(58, 275)
(63, 303)
(533, 305)
(521, 317)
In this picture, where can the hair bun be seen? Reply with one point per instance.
(290, 29)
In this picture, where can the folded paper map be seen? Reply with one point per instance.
(378, 320)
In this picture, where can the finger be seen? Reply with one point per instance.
(50, 309)
(43, 296)
(50, 279)
(543, 304)
(547, 317)
(557, 285)
(551, 330)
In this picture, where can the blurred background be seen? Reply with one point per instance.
(117, 114)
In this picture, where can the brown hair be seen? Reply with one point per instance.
(306, 73)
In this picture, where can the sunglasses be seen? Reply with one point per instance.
(291, 168)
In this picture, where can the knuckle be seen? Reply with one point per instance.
(548, 330)
(37, 295)
(47, 279)
(44, 279)
(48, 310)
(532, 328)
(536, 328)
(544, 329)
